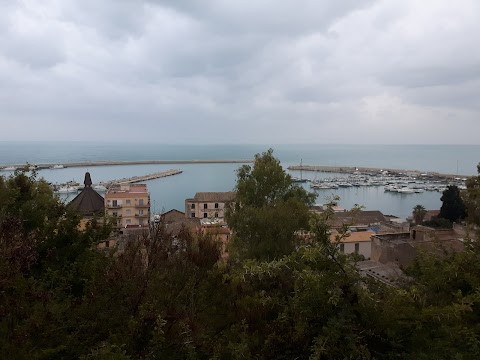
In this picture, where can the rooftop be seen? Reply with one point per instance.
(356, 236)
(88, 202)
(214, 196)
(125, 190)
(357, 218)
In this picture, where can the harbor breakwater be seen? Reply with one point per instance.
(369, 170)
(122, 162)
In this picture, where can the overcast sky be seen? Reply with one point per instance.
(250, 71)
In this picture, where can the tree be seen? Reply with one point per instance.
(453, 208)
(419, 213)
(268, 210)
(46, 264)
(472, 198)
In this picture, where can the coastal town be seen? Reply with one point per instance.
(269, 229)
(385, 243)
(239, 180)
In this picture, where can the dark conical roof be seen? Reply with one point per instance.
(88, 179)
(88, 202)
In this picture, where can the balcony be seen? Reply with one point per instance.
(111, 206)
(141, 215)
(142, 205)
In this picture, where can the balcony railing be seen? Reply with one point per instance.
(141, 215)
(111, 206)
(142, 205)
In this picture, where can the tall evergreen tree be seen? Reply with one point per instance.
(453, 207)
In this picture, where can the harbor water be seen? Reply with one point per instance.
(171, 192)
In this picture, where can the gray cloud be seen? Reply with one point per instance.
(249, 71)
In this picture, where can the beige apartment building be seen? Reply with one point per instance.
(208, 205)
(358, 242)
(129, 203)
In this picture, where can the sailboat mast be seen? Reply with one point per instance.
(301, 170)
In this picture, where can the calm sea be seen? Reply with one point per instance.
(169, 193)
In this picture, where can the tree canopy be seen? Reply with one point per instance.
(268, 210)
(473, 198)
(453, 207)
(172, 297)
(419, 213)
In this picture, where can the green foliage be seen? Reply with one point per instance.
(453, 208)
(438, 223)
(268, 210)
(166, 297)
(419, 213)
(45, 266)
(472, 198)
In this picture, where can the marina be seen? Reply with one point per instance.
(372, 171)
(170, 192)
(392, 180)
(394, 184)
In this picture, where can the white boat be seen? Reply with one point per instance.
(299, 180)
(100, 188)
(57, 166)
(67, 189)
(390, 188)
(10, 168)
(406, 190)
(320, 187)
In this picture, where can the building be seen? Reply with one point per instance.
(368, 219)
(356, 242)
(89, 204)
(402, 248)
(130, 204)
(219, 232)
(208, 205)
(175, 221)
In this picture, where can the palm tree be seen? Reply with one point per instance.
(419, 213)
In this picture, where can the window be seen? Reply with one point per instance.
(216, 205)
(140, 212)
(193, 206)
(205, 206)
(205, 215)
(342, 248)
(107, 243)
(114, 203)
(192, 214)
(128, 211)
(129, 221)
(140, 202)
(216, 215)
(357, 248)
(129, 202)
